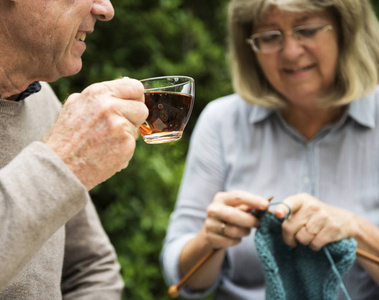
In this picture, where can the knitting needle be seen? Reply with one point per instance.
(173, 291)
(368, 256)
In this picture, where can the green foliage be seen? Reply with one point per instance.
(145, 39)
(135, 205)
(375, 4)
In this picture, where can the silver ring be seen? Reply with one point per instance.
(223, 225)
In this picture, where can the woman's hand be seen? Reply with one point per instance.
(229, 217)
(229, 220)
(313, 222)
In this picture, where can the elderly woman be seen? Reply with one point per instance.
(302, 127)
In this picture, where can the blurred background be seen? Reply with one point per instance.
(146, 39)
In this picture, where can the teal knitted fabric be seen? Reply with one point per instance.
(300, 272)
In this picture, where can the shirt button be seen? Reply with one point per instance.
(306, 180)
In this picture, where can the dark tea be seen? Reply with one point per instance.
(168, 114)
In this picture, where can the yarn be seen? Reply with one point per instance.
(300, 272)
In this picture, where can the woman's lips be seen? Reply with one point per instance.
(297, 70)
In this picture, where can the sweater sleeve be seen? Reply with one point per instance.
(90, 268)
(38, 195)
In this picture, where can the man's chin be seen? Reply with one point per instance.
(63, 70)
(73, 69)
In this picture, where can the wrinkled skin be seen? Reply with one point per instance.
(96, 129)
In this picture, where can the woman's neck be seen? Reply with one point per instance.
(308, 122)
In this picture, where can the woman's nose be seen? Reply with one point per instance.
(103, 10)
(292, 47)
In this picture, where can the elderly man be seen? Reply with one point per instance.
(52, 245)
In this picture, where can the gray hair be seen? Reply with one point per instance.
(357, 69)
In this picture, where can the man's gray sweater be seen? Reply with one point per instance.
(52, 245)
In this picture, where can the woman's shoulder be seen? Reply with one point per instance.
(228, 106)
(233, 108)
(228, 102)
(372, 98)
(365, 110)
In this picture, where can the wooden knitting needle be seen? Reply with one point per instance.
(367, 256)
(173, 291)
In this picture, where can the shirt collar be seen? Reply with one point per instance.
(362, 111)
(259, 113)
(34, 87)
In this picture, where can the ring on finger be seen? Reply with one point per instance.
(222, 225)
(307, 230)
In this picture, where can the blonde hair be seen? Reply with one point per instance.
(357, 69)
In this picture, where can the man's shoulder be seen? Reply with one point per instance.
(45, 93)
(45, 99)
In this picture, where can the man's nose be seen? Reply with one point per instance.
(103, 10)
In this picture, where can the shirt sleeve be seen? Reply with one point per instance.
(203, 177)
(90, 267)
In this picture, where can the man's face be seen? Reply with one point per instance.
(49, 34)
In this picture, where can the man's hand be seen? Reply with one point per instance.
(96, 130)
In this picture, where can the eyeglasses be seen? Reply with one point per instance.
(272, 41)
